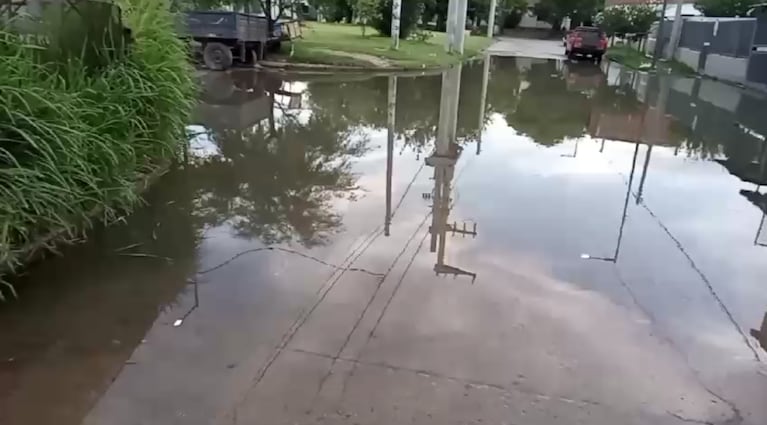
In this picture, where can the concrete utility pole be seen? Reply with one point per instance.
(461, 25)
(456, 24)
(659, 36)
(676, 31)
(450, 26)
(491, 19)
(396, 9)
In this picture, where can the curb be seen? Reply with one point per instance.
(301, 66)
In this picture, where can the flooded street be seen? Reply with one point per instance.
(513, 241)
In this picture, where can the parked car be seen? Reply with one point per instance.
(586, 41)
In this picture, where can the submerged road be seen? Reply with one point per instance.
(521, 241)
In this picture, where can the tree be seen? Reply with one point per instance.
(512, 12)
(627, 19)
(613, 21)
(726, 8)
(437, 10)
(579, 11)
(366, 11)
(409, 15)
(641, 17)
(546, 111)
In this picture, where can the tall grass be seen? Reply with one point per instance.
(75, 140)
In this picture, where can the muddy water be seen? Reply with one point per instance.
(644, 191)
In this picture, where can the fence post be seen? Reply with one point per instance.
(704, 50)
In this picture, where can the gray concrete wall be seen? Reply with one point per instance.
(726, 67)
(726, 36)
(687, 56)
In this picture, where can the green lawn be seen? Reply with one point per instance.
(632, 58)
(321, 39)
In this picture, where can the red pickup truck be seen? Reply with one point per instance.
(586, 41)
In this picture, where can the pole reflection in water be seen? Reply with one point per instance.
(761, 333)
(390, 121)
(444, 158)
(482, 101)
(761, 233)
(614, 258)
(657, 132)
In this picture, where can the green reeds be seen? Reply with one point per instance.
(74, 141)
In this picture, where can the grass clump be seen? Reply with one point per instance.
(76, 138)
(321, 39)
(634, 59)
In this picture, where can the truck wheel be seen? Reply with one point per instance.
(217, 56)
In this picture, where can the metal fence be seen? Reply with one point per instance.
(726, 36)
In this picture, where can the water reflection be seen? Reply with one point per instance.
(80, 316)
(281, 166)
(362, 103)
(443, 160)
(761, 333)
(553, 102)
(274, 161)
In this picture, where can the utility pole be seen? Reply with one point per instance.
(396, 9)
(461, 25)
(676, 31)
(491, 19)
(456, 24)
(450, 26)
(659, 35)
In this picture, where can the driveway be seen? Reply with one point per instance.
(533, 48)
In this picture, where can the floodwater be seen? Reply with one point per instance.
(514, 241)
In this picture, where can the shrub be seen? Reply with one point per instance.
(626, 19)
(512, 19)
(75, 140)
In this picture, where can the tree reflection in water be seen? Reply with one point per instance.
(276, 178)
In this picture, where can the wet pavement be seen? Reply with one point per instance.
(517, 241)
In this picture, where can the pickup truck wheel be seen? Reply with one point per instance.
(217, 56)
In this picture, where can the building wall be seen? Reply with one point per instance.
(722, 44)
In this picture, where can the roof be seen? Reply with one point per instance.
(688, 9)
